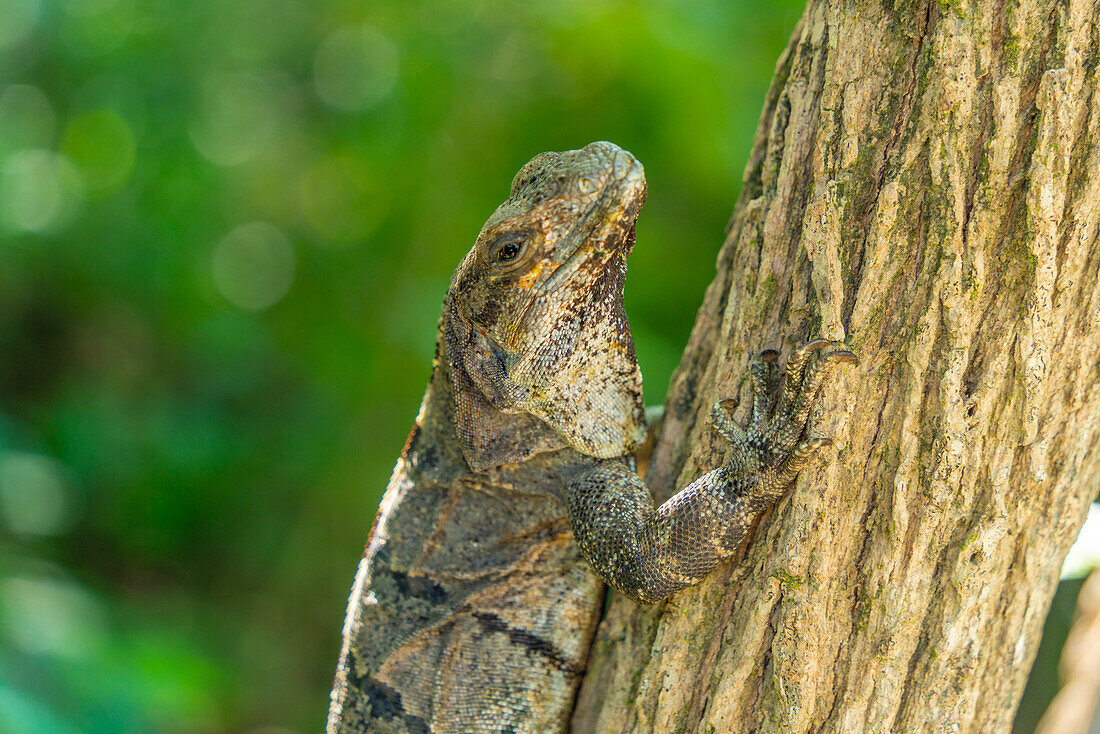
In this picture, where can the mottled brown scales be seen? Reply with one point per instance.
(473, 610)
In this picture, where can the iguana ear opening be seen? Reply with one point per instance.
(490, 432)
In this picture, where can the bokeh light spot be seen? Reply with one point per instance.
(342, 199)
(50, 616)
(101, 146)
(35, 494)
(17, 18)
(355, 68)
(253, 266)
(27, 118)
(237, 118)
(35, 191)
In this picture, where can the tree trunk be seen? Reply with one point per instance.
(925, 183)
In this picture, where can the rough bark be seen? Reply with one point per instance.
(925, 183)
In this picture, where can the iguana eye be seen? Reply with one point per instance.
(508, 251)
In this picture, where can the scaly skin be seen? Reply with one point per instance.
(472, 610)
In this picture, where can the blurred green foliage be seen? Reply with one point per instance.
(225, 232)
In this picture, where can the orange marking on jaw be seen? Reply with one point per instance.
(530, 279)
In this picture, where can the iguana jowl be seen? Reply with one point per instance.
(472, 610)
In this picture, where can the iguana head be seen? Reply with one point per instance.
(534, 316)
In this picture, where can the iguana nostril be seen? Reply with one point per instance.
(624, 163)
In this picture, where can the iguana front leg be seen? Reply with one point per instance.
(648, 553)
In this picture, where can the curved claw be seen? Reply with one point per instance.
(843, 356)
(815, 345)
(722, 422)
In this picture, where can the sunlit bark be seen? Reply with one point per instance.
(925, 183)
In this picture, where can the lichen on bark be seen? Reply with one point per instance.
(925, 183)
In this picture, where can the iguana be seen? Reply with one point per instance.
(472, 610)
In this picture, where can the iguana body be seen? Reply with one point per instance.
(472, 610)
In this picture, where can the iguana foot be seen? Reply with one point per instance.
(777, 444)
